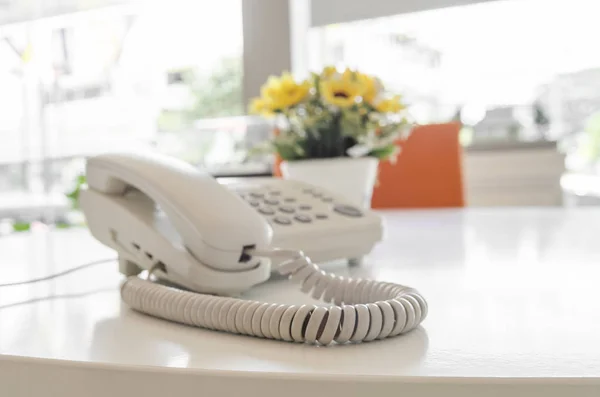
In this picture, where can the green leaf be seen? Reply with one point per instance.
(286, 151)
(73, 195)
(383, 153)
(21, 226)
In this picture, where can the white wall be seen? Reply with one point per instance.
(325, 12)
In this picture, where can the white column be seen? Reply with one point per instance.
(267, 49)
(299, 29)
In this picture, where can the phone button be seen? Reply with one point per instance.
(287, 209)
(289, 199)
(321, 216)
(305, 207)
(257, 195)
(282, 220)
(347, 210)
(303, 218)
(266, 211)
(271, 201)
(254, 203)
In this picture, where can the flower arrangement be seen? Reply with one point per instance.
(332, 114)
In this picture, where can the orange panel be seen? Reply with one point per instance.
(428, 172)
(276, 168)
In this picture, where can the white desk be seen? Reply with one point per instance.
(514, 310)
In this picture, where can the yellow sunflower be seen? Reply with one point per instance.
(369, 85)
(328, 72)
(284, 92)
(271, 88)
(261, 106)
(340, 92)
(389, 105)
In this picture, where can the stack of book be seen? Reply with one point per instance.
(513, 174)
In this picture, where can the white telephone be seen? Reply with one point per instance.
(165, 216)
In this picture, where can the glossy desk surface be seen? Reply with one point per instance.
(514, 297)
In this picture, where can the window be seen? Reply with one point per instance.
(73, 85)
(518, 70)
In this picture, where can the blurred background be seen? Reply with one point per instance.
(82, 77)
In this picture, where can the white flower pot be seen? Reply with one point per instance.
(353, 178)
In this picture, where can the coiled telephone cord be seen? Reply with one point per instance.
(363, 310)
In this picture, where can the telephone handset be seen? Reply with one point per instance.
(165, 216)
(213, 225)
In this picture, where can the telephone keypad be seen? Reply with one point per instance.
(279, 205)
